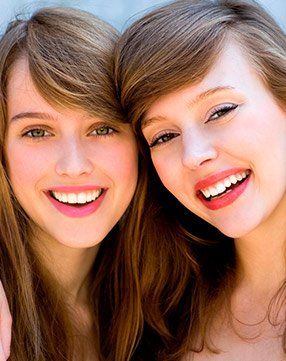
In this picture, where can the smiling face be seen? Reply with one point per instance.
(73, 174)
(219, 146)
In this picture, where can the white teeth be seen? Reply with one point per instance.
(64, 198)
(233, 179)
(206, 193)
(77, 198)
(213, 191)
(72, 198)
(81, 198)
(227, 182)
(89, 197)
(95, 194)
(221, 186)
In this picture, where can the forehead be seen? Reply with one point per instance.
(24, 97)
(231, 70)
(22, 94)
(232, 64)
(20, 79)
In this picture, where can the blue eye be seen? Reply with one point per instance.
(164, 138)
(37, 133)
(221, 111)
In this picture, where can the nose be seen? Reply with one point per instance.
(73, 160)
(198, 149)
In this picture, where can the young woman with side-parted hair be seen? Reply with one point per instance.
(68, 174)
(204, 84)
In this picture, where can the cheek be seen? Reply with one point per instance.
(128, 156)
(257, 138)
(120, 163)
(25, 167)
(167, 165)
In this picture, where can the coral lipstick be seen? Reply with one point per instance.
(230, 195)
(211, 180)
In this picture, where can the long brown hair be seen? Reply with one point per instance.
(70, 57)
(166, 50)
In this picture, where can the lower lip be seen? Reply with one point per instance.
(227, 199)
(74, 211)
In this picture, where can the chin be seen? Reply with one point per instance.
(77, 240)
(232, 232)
(237, 229)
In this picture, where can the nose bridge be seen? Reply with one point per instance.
(73, 159)
(198, 148)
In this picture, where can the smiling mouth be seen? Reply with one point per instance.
(76, 199)
(226, 185)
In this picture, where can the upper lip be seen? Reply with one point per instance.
(214, 178)
(74, 189)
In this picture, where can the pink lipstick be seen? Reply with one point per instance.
(65, 199)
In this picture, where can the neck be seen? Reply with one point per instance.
(70, 266)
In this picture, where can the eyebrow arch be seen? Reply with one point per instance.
(147, 121)
(209, 93)
(31, 115)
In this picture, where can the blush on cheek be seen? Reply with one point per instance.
(20, 171)
(162, 171)
(125, 162)
(24, 168)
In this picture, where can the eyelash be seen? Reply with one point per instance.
(29, 133)
(159, 140)
(225, 109)
(111, 131)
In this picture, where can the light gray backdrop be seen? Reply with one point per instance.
(118, 12)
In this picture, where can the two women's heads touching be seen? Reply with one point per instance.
(203, 83)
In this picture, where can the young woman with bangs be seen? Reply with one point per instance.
(204, 84)
(68, 174)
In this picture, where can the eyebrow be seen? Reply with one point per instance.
(147, 121)
(31, 115)
(209, 93)
(47, 116)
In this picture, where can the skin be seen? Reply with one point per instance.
(198, 143)
(48, 147)
(230, 120)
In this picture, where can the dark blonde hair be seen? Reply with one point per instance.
(70, 58)
(168, 49)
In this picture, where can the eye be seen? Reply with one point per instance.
(103, 130)
(163, 138)
(37, 133)
(221, 111)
